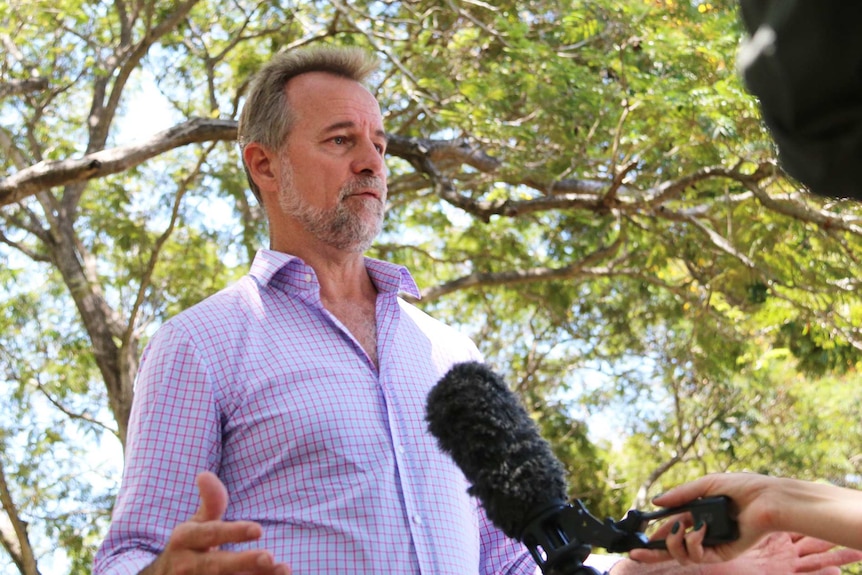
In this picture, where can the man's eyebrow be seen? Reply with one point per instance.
(348, 124)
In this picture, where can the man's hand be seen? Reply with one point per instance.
(193, 548)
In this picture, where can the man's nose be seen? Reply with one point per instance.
(368, 159)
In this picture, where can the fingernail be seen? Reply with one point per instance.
(264, 560)
(698, 525)
(675, 527)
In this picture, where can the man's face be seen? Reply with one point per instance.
(332, 177)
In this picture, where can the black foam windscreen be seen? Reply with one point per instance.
(483, 426)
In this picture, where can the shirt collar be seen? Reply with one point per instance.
(270, 266)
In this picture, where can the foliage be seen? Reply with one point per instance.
(584, 187)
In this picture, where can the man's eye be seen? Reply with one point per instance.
(339, 140)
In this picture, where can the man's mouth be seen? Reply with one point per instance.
(365, 188)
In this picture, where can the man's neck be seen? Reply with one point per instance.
(341, 274)
(344, 281)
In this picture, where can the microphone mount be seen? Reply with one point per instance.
(561, 536)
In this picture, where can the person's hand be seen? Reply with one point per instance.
(759, 505)
(786, 553)
(775, 554)
(751, 507)
(193, 548)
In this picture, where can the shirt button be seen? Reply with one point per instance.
(308, 277)
(417, 519)
(401, 450)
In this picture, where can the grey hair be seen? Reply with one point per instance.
(266, 118)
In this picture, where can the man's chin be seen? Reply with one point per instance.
(356, 243)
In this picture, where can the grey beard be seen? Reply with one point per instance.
(339, 227)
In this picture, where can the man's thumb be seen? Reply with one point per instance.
(213, 495)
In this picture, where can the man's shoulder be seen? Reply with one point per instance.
(433, 327)
(212, 326)
(237, 302)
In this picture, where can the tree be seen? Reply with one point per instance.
(586, 188)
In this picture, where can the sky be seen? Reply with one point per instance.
(146, 113)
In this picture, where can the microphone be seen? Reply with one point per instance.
(482, 425)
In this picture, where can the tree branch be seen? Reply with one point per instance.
(18, 87)
(581, 268)
(801, 211)
(71, 414)
(20, 549)
(46, 175)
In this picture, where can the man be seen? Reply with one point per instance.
(300, 391)
(295, 399)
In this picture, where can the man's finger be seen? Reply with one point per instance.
(213, 496)
(211, 534)
(251, 562)
(229, 563)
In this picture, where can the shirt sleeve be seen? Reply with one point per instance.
(174, 434)
(500, 554)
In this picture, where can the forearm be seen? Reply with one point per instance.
(819, 510)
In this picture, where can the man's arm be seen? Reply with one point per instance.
(161, 524)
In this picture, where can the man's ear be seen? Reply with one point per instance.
(262, 165)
